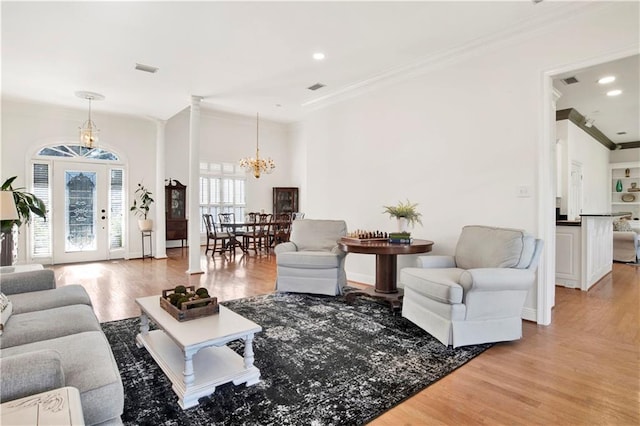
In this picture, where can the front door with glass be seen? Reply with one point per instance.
(84, 198)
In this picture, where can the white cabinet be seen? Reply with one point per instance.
(584, 254)
(625, 176)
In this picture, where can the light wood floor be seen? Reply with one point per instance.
(583, 369)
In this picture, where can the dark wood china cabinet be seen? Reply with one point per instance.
(175, 211)
(285, 200)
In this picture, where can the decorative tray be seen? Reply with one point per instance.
(627, 198)
(197, 308)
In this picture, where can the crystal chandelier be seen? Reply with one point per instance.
(257, 165)
(89, 131)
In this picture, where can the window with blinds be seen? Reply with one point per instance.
(41, 228)
(116, 209)
(222, 190)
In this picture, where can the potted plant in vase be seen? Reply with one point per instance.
(405, 213)
(28, 206)
(140, 207)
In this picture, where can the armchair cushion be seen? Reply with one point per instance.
(309, 259)
(489, 247)
(437, 284)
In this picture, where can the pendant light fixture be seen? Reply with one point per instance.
(89, 132)
(257, 165)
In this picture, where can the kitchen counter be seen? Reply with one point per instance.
(584, 250)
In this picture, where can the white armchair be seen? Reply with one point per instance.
(477, 295)
(311, 262)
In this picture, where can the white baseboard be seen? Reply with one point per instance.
(361, 278)
(530, 314)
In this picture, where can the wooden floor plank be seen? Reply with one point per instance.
(583, 369)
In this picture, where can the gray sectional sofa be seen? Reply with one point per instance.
(53, 339)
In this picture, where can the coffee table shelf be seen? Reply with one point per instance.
(193, 354)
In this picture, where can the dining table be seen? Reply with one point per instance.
(232, 229)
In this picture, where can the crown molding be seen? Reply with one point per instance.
(579, 120)
(518, 32)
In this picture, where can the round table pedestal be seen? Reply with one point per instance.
(386, 270)
(386, 267)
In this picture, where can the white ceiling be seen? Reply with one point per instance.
(243, 57)
(611, 114)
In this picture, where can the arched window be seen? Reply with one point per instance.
(78, 151)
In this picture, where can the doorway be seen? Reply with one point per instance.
(547, 180)
(87, 214)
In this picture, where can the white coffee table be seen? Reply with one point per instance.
(193, 354)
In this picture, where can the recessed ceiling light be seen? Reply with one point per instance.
(606, 80)
(614, 92)
(318, 56)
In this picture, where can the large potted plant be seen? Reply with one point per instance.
(28, 207)
(406, 214)
(140, 207)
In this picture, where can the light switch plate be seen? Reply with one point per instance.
(523, 191)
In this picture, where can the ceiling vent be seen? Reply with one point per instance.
(570, 80)
(316, 86)
(146, 68)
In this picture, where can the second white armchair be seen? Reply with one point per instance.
(311, 262)
(477, 295)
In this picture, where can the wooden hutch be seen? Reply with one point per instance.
(175, 195)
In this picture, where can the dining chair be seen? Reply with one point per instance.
(280, 228)
(228, 222)
(214, 235)
(258, 237)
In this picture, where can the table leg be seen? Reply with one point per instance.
(188, 374)
(386, 270)
(144, 327)
(248, 351)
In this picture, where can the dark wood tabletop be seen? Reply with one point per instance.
(384, 247)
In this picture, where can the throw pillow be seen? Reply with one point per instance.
(621, 225)
(7, 308)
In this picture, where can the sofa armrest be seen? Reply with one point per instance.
(30, 373)
(285, 247)
(23, 282)
(436, 261)
(497, 279)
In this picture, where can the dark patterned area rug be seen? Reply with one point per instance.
(322, 362)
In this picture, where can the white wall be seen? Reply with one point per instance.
(594, 158)
(580, 147)
(457, 140)
(28, 126)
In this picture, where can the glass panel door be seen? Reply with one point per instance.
(80, 206)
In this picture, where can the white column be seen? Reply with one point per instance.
(160, 231)
(193, 188)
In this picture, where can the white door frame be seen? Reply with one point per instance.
(547, 177)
